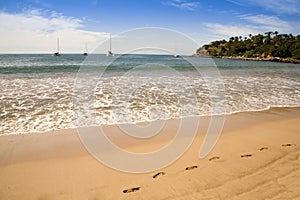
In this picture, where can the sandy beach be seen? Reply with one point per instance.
(159, 100)
(256, 157)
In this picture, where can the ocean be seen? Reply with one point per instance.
(41, 92)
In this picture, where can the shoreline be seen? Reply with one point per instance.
(278, 60)
(180, 118)
(256, 157)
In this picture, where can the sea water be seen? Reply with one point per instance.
(44, 92)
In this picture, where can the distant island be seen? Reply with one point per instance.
(270, 47)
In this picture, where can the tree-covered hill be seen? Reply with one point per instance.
(271, 45)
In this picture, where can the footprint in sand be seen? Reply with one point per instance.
(191, 167)
(134, 189)
(214, 158)
(263, 148)
(159, 174)
(286, 145)
(246, 155)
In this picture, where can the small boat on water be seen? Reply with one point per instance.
(57, 53)
(109, 53)
(86, 51)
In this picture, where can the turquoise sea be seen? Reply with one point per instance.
(44, 92)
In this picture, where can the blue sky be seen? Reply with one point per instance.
(32, 25)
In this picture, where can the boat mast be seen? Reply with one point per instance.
(110, 42)
(109, 52)
(57, 45)
(86, 50)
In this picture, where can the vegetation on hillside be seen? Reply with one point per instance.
(267, 46)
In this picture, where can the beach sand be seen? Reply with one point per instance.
(256, 157)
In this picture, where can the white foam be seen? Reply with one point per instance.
(42, 104)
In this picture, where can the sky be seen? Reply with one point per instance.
(32, 26)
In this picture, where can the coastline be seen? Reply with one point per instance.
(281, 60)
(271, 59)
(257, 156)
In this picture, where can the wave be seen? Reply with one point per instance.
(38, 91)
(48, 126)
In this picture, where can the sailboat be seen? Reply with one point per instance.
(109, 53)
(176, 55)
(85, 53)
(57, 53)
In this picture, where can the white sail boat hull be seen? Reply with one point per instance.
(57, 53)
(109, 53)
(86, 50)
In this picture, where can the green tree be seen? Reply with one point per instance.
(271, 44)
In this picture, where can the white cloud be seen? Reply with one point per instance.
(182, 4)
(251, 24)
(280, 6)
(223, 30)
(36, 31)
(277, 6)
(235, 2)
(269, 23)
